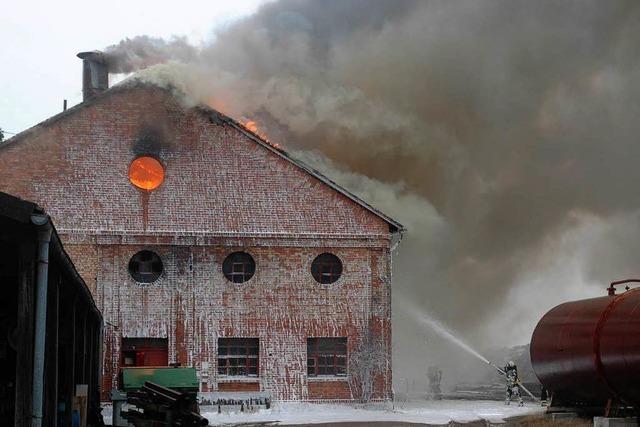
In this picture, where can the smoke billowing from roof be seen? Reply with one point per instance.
(143, 51)
(504, 134)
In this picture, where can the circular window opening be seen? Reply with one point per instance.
(326, 268)
(146, 173)
(238, 267)
(145, 267)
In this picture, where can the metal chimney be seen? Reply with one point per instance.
(95, 75)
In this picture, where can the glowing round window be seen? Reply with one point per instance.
(146, 172)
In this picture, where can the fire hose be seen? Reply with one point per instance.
(517, 382)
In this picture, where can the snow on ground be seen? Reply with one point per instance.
(426, 412)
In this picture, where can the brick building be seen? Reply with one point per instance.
(207, 246)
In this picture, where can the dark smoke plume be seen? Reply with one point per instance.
(143, 51)
(504, 133)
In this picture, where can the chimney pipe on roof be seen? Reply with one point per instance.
(95, 75)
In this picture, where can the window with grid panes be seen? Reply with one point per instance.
(238, 267)
(238, 357)
(326, 357)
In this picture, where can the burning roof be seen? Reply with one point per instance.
(249, 129)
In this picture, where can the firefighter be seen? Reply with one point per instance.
(513, 388)
(434, 375)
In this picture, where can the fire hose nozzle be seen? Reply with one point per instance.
(496, 368)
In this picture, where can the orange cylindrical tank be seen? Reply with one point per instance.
(587, 352)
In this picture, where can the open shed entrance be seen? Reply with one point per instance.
(145, 352)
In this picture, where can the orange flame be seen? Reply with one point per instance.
(252, 126)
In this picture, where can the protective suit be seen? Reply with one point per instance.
(434, 375)
(512, 379)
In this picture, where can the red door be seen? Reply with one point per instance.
(152, 357)
(144, 352)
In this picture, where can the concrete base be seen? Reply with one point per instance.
(562, 416)
(234, 409)
(614, 422)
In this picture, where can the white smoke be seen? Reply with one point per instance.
(503, 133)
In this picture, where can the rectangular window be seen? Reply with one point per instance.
(238, 357)
(326, 357)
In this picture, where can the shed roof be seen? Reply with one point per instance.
(16, 210)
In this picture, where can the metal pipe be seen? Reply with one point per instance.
(95, 74)
(395, 245)
(611, 290)
(42, 278)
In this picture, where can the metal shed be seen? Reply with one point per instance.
(50, 327)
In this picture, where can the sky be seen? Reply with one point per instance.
(41, 39)
(502, 133)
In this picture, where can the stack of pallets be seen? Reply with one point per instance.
(156, 405)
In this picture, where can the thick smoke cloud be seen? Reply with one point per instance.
(503, 133)
(143, 51)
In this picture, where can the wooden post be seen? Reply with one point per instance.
(51, 352)
(72, 356)
(67, 334)
(24, 350)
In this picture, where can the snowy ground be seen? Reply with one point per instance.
(421, 412)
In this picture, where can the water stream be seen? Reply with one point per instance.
(441, 330)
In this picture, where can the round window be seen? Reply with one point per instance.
(326, 268)
(238, 267)
(146, 173)
(145, 267)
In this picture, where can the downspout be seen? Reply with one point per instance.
(42, 279)
(391, 251)
(395, 245)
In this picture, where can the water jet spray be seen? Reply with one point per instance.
(441, 330)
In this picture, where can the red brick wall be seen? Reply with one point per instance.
(328, 390)
(239, 386)
(222, 192)
(85, 257)
(217, 179)
(193, 304)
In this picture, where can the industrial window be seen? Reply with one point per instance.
(326, 357)
(238, 267)
(145, 267)
(146, 173)
(326, 268)
(238, 357)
